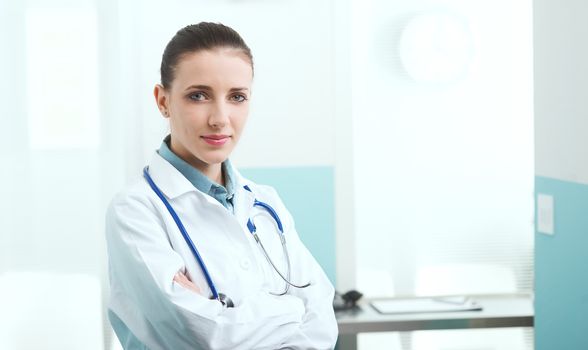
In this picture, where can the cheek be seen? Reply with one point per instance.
(192, 115)
(240, 117)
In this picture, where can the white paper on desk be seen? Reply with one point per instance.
(424, 305)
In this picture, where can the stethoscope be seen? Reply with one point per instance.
(223, 298)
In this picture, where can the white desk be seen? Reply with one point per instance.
(498, 311)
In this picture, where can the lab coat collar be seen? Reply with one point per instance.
(169, 180)
(244, 199)
(173, 184)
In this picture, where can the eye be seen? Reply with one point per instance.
(197, 96)
(238, 98)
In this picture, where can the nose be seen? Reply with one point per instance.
(219, 115)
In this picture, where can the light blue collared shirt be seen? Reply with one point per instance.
(222, 194)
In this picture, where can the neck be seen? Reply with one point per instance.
(212, 171)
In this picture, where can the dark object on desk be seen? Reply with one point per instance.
(346, 301)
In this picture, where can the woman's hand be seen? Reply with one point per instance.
(185, 282)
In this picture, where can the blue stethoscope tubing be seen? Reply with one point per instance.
(252, 229)
(183, 231)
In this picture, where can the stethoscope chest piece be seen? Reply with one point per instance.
(225, 300)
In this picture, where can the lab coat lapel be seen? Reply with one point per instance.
(243, 203)
(169, 180)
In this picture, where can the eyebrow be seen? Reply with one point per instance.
(208, 88)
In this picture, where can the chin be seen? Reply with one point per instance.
(215, 158)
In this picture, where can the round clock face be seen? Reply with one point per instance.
(436, 47)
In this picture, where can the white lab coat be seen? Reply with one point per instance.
(146, 250)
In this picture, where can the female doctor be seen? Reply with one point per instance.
(199, 256)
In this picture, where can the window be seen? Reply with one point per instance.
(62, 78)
(443, 169)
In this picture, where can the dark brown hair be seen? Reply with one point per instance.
(198, 37)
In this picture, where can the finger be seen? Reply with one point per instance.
(188, 282)
(181, 279)
(185, 282)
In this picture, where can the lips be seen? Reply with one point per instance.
(215, 139)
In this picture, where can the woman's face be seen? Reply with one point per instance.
(207, 105)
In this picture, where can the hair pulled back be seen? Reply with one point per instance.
(198, 37)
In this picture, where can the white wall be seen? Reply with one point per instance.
(561, 111)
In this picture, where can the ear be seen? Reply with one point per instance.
(161, 100)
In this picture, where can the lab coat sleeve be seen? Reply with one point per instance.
(319, 326)
(165, 315)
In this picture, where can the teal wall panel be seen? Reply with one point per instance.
(561, 265)
(309, 195)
